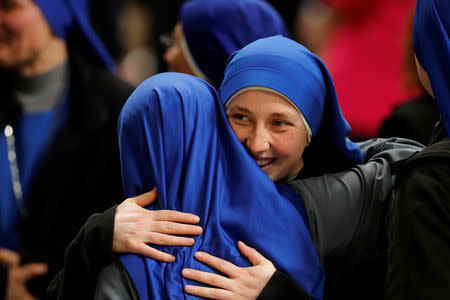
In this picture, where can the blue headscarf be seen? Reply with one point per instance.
(69, 20)
(174, 134)
(432, 49)
(214, 29)
(289, 68)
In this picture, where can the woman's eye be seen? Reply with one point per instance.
(279, 123)
(239, 117)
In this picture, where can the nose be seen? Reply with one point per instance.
(258, 140)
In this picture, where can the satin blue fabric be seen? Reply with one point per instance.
(289, 68)
(214, 29)
(70, 18)
(174, 134)
(432, 49)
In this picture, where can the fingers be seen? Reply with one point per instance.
(175, 216)
(32, 270)
(216, 263)
(168, 240)
(153, 253)
(251, 254)
(9, 258)
(208, 278)
(146, 198)
(176, 228)
(211, 293)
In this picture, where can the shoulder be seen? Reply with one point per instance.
(424, 179)
(433, 160)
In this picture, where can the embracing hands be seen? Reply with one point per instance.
(135, 227)
(241, 283)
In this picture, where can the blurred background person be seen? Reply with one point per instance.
(59, 159)
(364, 52)
(136, 29)
(418, 233)
(312, 24)
(414, 119)
(205, 37)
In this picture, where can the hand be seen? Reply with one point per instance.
(19, 275)
(9, 258)
(241, 283)
(135, 226)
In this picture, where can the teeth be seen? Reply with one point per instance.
(263, 162)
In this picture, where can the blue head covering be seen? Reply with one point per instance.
(174, 134)
(289, 68)
(432, 48)
(214, 29)
(69, 19)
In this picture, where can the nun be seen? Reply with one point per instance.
(58, 111)
(418, 233)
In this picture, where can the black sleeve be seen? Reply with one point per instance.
(3, 281)
(419, 235)
(114, 283)
(86, 255)
(281, 286)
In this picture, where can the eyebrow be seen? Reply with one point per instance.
(282, 115)
(241, 109)
(273, 115)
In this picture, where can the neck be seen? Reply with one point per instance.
(55, 54)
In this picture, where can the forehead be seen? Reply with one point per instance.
(262, 101)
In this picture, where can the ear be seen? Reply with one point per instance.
(307, 142)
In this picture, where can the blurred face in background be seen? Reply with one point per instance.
(25, 36)
(271, 130)
(176, 62)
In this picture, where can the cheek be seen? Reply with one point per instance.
(239, 131)
(26, 31)
(22, 21)
(291, 146)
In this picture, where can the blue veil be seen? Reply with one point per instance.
(69, 20)
(214, 29)
(289, 68)
(174, 134)
(432, 49)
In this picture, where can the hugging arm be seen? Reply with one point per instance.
(127, 227)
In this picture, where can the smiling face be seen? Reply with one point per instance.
(271, 130)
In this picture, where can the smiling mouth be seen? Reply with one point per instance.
(264, 162)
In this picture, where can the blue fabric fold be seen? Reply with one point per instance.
(70, 18)
(289, 68)
(174, 135)
(432, 49)
(214, 29)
